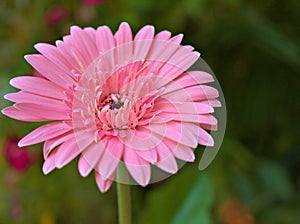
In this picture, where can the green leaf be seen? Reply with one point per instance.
(164, 200)
(275, 42)
(275, 180)
(197, 205)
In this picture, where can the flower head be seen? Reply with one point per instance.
(116, 100)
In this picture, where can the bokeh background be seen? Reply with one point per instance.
(254, 49)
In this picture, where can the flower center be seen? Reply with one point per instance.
(116, 113)
(114, 101)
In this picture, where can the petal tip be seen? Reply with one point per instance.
(74, 28)
(6, 97)
(47, 167)
(103, 184)
(83, 174)
(83, 167)
(21, 144)
(38, 45)
(12, 81)
(46, 171)
(124, 24)
(3, 111)
(26, 57)
(197, 54)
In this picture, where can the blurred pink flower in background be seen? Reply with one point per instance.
(18, 158)
(94, 2)
(116, 99)
(55, 15)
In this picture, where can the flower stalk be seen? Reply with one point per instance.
(124, 202)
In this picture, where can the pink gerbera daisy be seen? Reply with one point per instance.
(116, 100)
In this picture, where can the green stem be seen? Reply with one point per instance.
(124, 203)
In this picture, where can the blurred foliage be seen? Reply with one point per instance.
(253, 48)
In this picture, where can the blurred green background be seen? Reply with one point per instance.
(254, 49)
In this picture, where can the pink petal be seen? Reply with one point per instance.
(104, 39)
(138, 168)
(183, 107)
(123, 38)
(53, 54)
(183, 133)
(66, 152)
(177, 39)
(84, 43)
(159, 53)
(38, 86)
(194, 118)
(184, 153)
(141, 139)
(163, 35)
(188, 48)
(141, 49)
(200, 77)
(188, 79)
(145, 33)
(84, 167)
(51, 144)
(209, 127)
(111, 157)
(205, 138)
(148, 155)
(92, 34)
(91, 156)
(124, 34)
(49, 164)
(207, 119)
(45, 132)
(76, 51)
(41, 111)
(49, 70)
(180, 151)
(206, 92)
(18, 114)
(86, 138)
(177, 64)
(103, 184)
(194, 93)
(143, 41)
(166, 161)
(108, 62)
(91, 45)
(212, 102)
(72, 55)
(44, 102)
(180, 61)
(177, 84)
